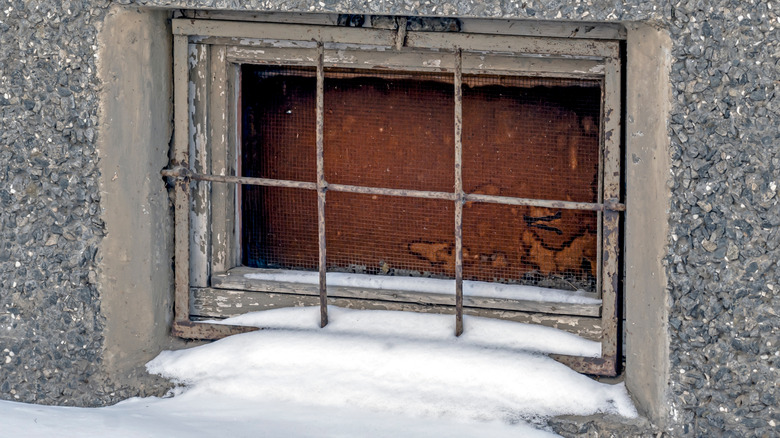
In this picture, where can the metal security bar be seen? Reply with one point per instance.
(223, 35)
(321, 184)
(458, 192)
(607, 205)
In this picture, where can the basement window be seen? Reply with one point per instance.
(396, 169)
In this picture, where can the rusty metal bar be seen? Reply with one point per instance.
(458, 192)
(321, 184)
(245, 180)
(609, 205)
(392, 192)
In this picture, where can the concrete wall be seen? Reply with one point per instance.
(51, 325)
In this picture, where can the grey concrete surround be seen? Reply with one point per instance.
(135, 255)
(85, 219)
(648, 100)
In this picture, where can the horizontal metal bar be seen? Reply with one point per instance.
(245, 180)
(608, 205)
(392, 192)
(546, 203)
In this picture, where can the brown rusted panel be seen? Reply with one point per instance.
(390, 130)
(397, 130)
(201, 330)
(531, 138)
(279, 228)
(548, 247)
(390, 235)
(279, 123)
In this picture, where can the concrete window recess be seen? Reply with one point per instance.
(397, 163)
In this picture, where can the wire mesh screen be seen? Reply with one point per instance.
(390, 235)
(531, 137)
(393, 130)
(279, 227)
(279, 119)
(530, 245)
(522, 137)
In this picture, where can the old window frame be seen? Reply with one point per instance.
(207, 54)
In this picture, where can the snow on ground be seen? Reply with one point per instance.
(440, 286)
(367, 374)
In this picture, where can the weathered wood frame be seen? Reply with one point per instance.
(207, 54)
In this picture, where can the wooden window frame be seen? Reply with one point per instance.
(207, 58)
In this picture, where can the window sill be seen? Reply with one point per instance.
(238, 279)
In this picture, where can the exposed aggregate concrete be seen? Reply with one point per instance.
(724, 244)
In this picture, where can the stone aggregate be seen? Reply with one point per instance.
(723, 247)
(51, 327)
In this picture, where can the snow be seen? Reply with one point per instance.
(367, 373)
(422, 327)
(430, 285)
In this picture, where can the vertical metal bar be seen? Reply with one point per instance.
(458, 193)
(321, 184)
(180, 157)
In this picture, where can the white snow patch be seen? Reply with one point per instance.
(374, 361)
(431, 285)
(368, 373)
(191, 416)
(422, 327)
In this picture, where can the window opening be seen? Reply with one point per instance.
(523, 137)
(464, 163)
